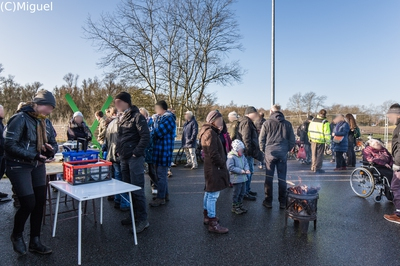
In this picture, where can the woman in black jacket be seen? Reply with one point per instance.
(30, 143)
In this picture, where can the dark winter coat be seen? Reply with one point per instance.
(341, 129)
(259, 124)
(148, 157)
(21, 137)
(1, 137)
(396, 144)
(76, 131)
(302, 132)
(133, 134)
(216, 173)
(189, 134)
(276, 137)
(247, 133)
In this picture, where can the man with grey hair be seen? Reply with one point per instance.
(189, 140)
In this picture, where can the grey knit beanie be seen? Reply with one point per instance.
(44, 97)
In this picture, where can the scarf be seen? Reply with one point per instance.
(41, 135)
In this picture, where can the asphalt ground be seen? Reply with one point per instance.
(350, 230)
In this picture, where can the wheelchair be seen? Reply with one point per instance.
(364, 180)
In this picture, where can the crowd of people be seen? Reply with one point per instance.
(132, 138)
(341, 134)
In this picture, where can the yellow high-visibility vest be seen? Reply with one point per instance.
(319, 131)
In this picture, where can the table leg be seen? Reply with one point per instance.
(79, 231)
(133, 218)
(56, 214)
(101, 210)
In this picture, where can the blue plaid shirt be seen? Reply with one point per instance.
(164, 129)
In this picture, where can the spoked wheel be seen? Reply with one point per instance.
(362, 182)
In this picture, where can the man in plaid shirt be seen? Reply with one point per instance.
(163, 134)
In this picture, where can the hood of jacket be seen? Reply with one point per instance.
(277, 116)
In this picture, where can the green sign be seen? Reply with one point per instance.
(95, 124)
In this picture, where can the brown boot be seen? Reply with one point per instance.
(206, 219)
(215, 227)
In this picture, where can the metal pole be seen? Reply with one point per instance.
(273, 55)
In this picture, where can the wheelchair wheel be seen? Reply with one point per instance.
(362, 182)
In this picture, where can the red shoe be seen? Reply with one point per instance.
(344, 168)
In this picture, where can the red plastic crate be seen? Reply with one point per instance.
(88, 171)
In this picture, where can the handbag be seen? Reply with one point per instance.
(338, 139)
(301, 154)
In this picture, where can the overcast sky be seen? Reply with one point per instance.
(346, 50)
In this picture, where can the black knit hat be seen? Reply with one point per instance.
(124, 96)
(250, 110)
(394, 109)
(44, 97)
(163, 104)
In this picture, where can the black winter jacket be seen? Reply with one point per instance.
(20, 137)
(276, 137)
(302, 132)
(76, 131)
(189, 135)
(247, 133)
(133, 134)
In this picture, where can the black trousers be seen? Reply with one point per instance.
(281, 167)
(153, 175)
(386, 172)
(351, 155)
(340, 161)
(29, 183)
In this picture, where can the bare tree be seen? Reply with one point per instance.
(174, 48)
(306, 104)
(382, 109)
(295, 105)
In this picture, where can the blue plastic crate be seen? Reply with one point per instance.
(72, 156)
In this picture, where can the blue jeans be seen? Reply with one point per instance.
(250, 161)
(132, 171)
(162, 186)
(210, 202)
(121, 199)
(239, 190)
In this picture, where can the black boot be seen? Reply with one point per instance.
(18, 244)
(36, 246)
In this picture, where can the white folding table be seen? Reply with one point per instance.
(92, 191)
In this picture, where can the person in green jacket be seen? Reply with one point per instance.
(319, 133)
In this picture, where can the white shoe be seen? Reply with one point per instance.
(154, 191)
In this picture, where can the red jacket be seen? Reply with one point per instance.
(378, 157)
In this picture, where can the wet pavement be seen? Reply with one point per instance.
(350, 230)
